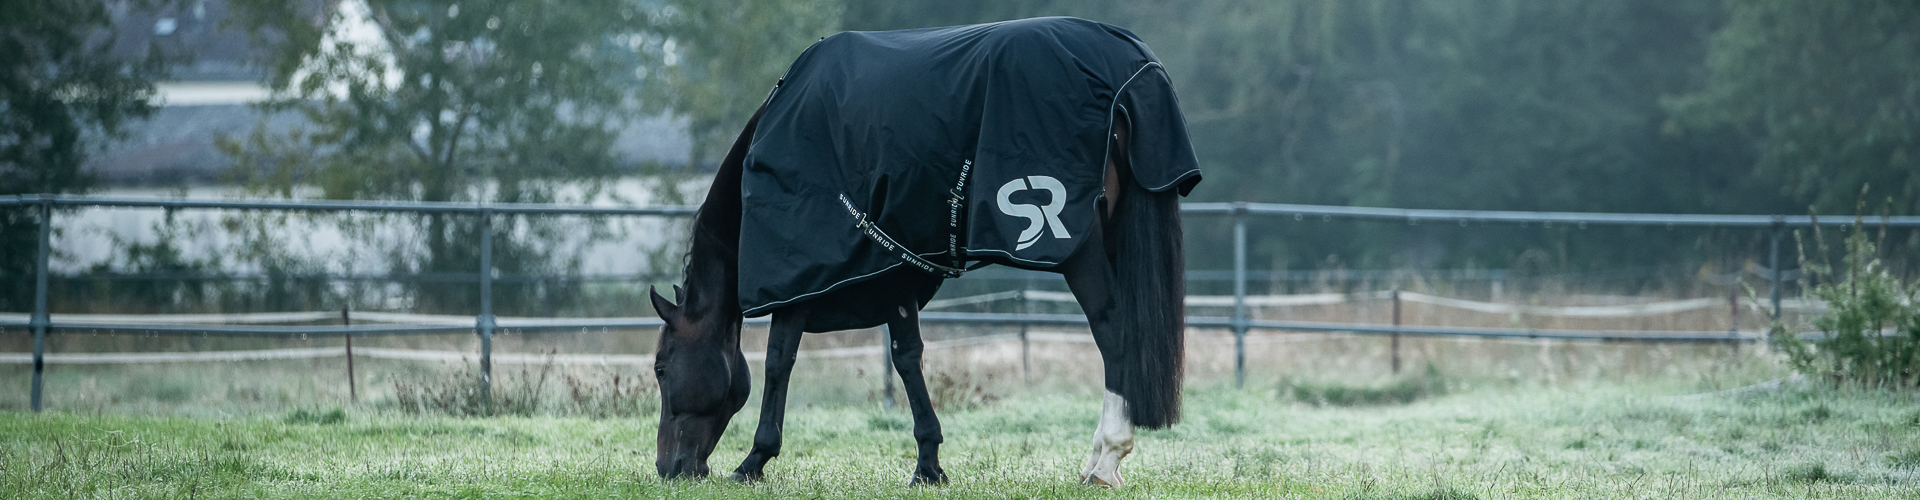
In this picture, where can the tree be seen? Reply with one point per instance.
(733, 52)
(490, 100)
(1825, 94)
(1466, 104)
(60, 83)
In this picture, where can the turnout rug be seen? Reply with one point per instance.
(885, 162)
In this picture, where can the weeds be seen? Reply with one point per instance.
(619, 398)
(1399, 391)
(1872, 322)
(317, 417)
(962, 392)
(1807, 473)
(1908, 460)
(525, 393)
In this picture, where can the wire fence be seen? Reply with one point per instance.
(484, 323)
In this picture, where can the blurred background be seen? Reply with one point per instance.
(1646, 106)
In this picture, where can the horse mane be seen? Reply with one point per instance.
(711, 270)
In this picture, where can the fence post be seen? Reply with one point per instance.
(353, 388)
(1396, 331)
(1733, 314)
(1239, 294)
(484, 324)
(1026, 364)
(40, 321)
(886, 364)
(1773, 260)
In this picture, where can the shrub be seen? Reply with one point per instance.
(1871, 325)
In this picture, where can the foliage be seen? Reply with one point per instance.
(526, 392)
(728, 56)
(1871, 325)
(459, 393)
(317, 417)
(1401, 390)
(1823, 90)
(499, 101)
(1460, 104)
(61, 82)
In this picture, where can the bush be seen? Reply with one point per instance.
(1871, 325)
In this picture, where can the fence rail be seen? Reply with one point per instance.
(484, 323)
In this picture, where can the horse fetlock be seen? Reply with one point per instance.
(1112, 441)
(753, 469)
(928, 474)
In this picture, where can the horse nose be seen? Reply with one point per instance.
(681, 466)
(671, 469)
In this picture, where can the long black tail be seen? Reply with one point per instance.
(1150, 274)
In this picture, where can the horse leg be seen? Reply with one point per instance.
(1089, 275)
(904, 333)
(783, 342)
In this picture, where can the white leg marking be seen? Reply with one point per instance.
(1112, 441)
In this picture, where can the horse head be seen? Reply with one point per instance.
(703, 380)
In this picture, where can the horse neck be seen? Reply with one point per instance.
(714, 256)
(713, 261)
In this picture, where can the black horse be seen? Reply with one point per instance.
(886, 162)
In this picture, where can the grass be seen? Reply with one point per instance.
(1595, 440)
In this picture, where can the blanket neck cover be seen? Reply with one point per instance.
(887, 161)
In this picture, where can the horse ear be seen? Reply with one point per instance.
(661, 305)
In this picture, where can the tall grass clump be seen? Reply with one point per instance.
(1402, 390)
(1871, 325)
(528, 391)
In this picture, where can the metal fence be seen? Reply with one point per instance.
(1239, 322)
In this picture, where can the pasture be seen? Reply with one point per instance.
(1320, 417)
(1592, 440)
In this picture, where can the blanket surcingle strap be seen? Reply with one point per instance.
(886, 162)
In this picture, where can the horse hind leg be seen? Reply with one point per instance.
(1090, 276)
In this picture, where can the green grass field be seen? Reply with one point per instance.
(1571, 440)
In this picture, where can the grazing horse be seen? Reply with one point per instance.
(886, 162)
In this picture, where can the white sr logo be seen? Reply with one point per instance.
(1039, 217)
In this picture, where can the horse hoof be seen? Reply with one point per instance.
(1096, 480)
(744, 478)
(935, 477)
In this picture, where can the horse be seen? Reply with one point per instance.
(1123, 264)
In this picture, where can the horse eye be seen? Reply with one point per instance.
(659, 372)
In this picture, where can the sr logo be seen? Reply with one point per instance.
(1039, 217)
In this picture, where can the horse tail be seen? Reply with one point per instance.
(1150, 300)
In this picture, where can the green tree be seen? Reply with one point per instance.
(1466, 104)
(1824, 91)
(60, 83)
(493, 100)
(502, 101)
(728, 56)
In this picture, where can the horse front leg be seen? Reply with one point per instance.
(1089, 275)
(783, 343)
(906, 346)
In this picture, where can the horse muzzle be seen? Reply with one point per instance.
(681, 467)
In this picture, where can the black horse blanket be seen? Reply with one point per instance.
(887, 161)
